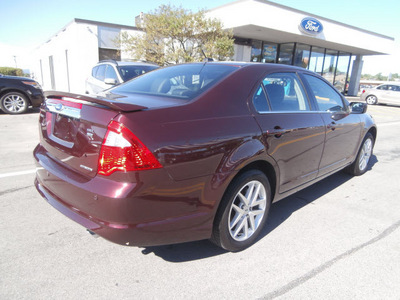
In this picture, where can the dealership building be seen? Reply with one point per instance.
(264, 32)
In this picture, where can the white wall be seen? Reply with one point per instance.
(79, 42)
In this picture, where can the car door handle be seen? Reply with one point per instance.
(278, 131)
(331, 126)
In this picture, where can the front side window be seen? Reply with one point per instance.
(110, 73)
(396, 88)
(393, 88)
(131, 71)
(327, 97)
(281, 92)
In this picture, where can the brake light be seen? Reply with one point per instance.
(363, 92)
(123, 151)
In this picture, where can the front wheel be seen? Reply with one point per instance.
(243, 211)
(360, 165)
(14, 103)
(371, 99)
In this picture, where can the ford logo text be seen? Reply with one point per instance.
(311, 26)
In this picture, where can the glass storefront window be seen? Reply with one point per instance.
(256, 51)
(286, 54)
(302, 55)
(341, 80)
(316, 60)
(269, 53)
(330, 65)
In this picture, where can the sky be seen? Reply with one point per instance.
(26, 24)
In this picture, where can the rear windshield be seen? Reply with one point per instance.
(181, 81)
(129, 72)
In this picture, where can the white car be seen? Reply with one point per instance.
(108, 73)
(385, 93)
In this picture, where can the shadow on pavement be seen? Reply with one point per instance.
(279, 213)
(31, 110)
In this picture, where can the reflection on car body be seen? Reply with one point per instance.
(197, 151)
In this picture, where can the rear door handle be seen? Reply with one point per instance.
(278, 131)
(331, 126)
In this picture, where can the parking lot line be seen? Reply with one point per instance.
(5, 175)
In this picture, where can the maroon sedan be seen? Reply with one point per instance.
(196, 151)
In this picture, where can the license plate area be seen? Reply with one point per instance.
(63, 119)
(64, 128)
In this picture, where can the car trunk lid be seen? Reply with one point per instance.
(73, 128)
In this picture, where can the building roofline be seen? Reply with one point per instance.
(308, 14)
(77, 20)
(91, 22)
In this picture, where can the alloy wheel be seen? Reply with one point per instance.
(14, 103)
(372, 100)
(247, 210)
(365, 154)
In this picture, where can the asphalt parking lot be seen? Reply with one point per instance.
(338, 239)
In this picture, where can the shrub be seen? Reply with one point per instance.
(11, 71)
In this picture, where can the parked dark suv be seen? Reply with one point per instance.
(18, 93)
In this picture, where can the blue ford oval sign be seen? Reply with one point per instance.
(311, 26)
(59, 106)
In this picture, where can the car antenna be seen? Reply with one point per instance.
(206, 59)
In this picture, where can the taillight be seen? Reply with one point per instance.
(123, 151)
(363, 92)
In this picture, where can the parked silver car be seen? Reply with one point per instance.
(384, 93)
(108, 73)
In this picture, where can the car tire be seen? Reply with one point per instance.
(14, 103)
(371, 99)
(360, 165)
(243, 211)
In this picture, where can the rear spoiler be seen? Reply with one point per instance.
(85, 99)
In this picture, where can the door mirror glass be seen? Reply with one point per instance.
(358, 107)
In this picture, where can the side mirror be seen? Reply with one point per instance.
(358, 107)
(110, 81)
(338, 115)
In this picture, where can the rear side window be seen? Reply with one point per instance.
(101, 71)
(260, 100)
(327, 97)
(94, 71)
(382, 87)
(181, 81)
(281, 92)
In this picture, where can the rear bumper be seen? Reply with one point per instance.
(128, 212)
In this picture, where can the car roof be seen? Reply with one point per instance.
(16, 77)
(390, 83)
(268, 66)
(126, 63)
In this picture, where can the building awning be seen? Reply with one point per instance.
(268, 21)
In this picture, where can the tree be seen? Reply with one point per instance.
(174, 35)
